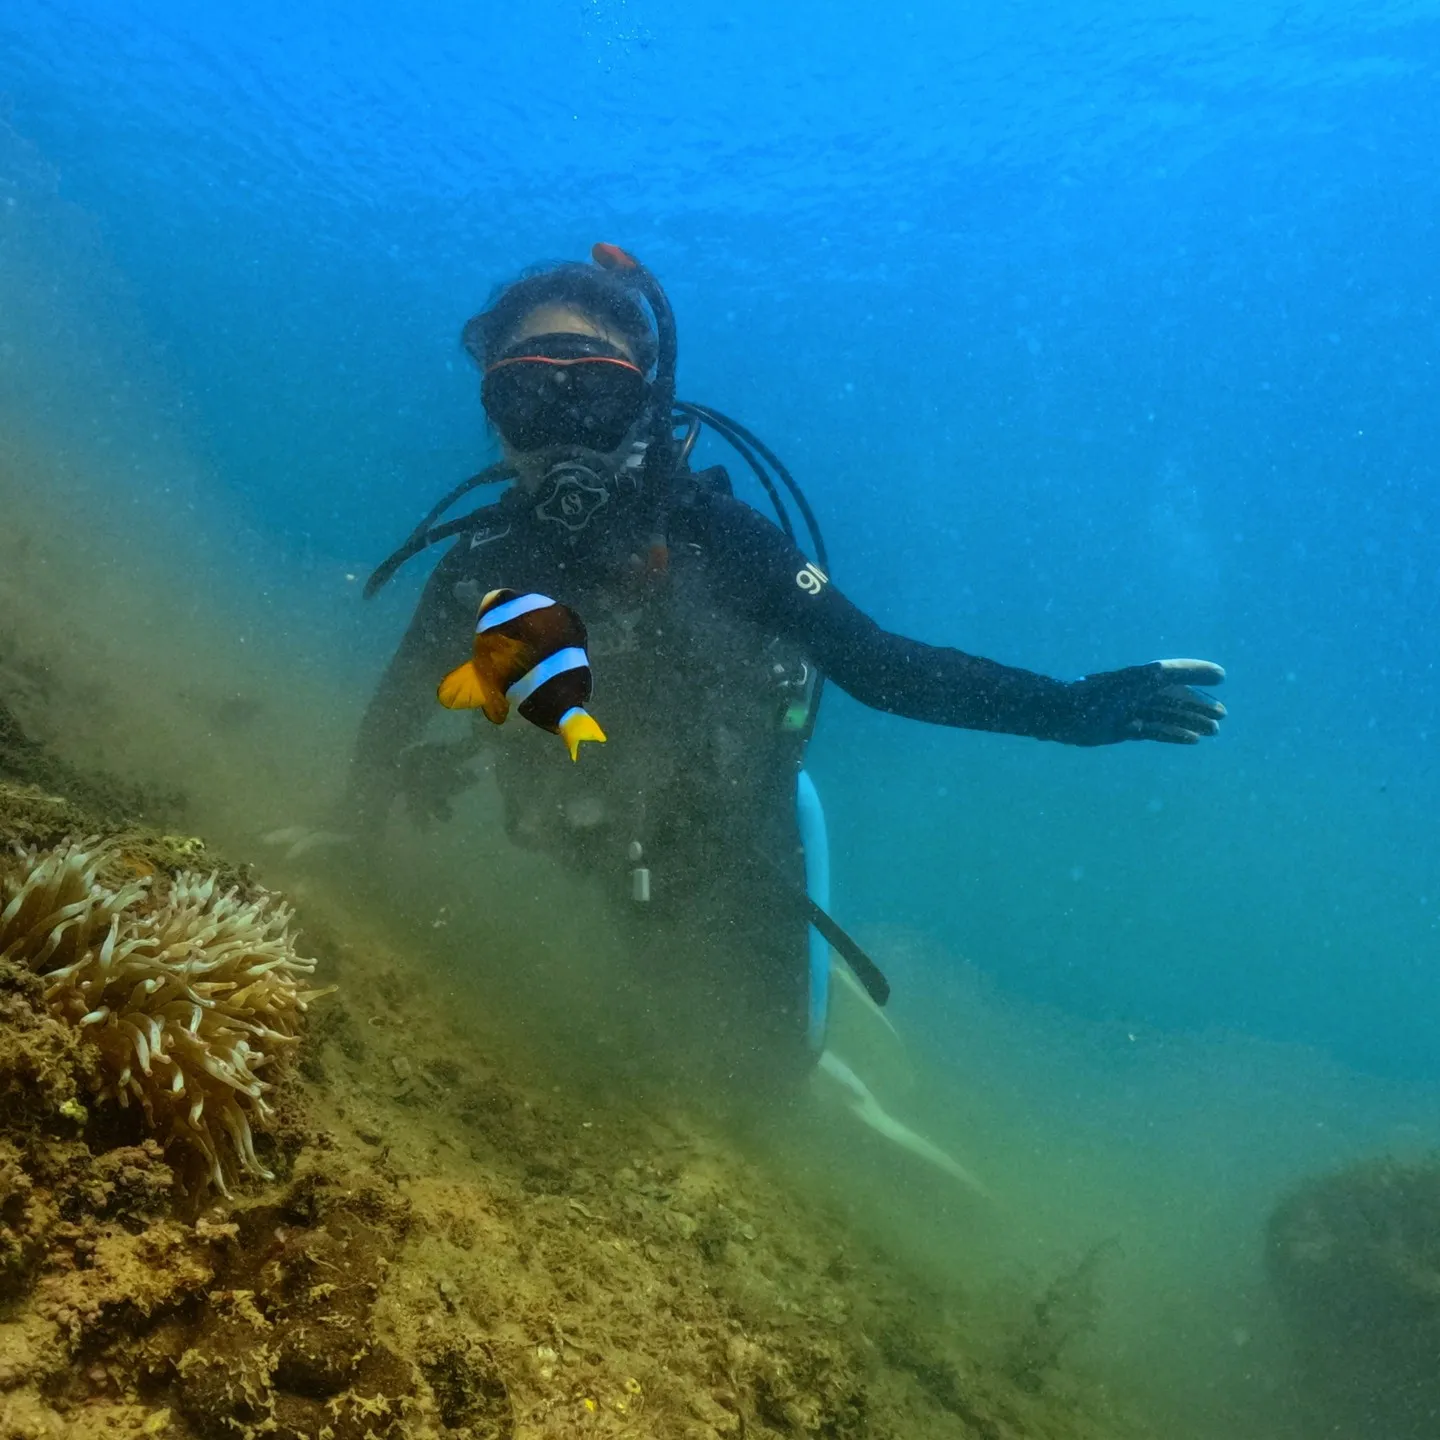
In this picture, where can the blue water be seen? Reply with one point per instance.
(1096, 333)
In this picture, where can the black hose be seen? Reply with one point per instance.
(735, 432)
(865, 970)
(422, 536)
(698, 412)
(742, 440)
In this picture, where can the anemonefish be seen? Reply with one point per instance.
(530, 653)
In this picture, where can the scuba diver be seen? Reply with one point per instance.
(710, 633)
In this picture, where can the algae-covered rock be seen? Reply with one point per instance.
(470, 1389)
(25, 761)
(1354, 1258)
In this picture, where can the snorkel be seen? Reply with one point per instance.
(659, 455)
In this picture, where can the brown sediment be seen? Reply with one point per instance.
(449, 1250)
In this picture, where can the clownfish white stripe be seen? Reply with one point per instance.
(511, 610)
(570, 658)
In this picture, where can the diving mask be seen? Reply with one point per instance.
(564, 389)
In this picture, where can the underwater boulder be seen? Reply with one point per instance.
(1354, 1259)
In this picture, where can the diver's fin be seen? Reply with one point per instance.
(843, 975)
(868, 1110)
(467, 687)
(857, 1028)
(299, 840)
(577, 726)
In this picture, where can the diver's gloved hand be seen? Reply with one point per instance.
(431, 775)
(1147, 702)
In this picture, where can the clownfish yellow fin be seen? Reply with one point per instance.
(577, 726)
(467, 687)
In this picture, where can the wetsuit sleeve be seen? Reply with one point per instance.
(404, 700)
(765, 578)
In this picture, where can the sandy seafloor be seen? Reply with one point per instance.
(452, 1246)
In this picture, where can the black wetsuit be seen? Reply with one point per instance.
(703, 620)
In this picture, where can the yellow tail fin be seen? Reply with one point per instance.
(467, 688)
(577, 727)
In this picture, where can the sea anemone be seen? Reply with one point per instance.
(184, 990)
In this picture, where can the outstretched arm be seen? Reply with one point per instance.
(768, 580)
